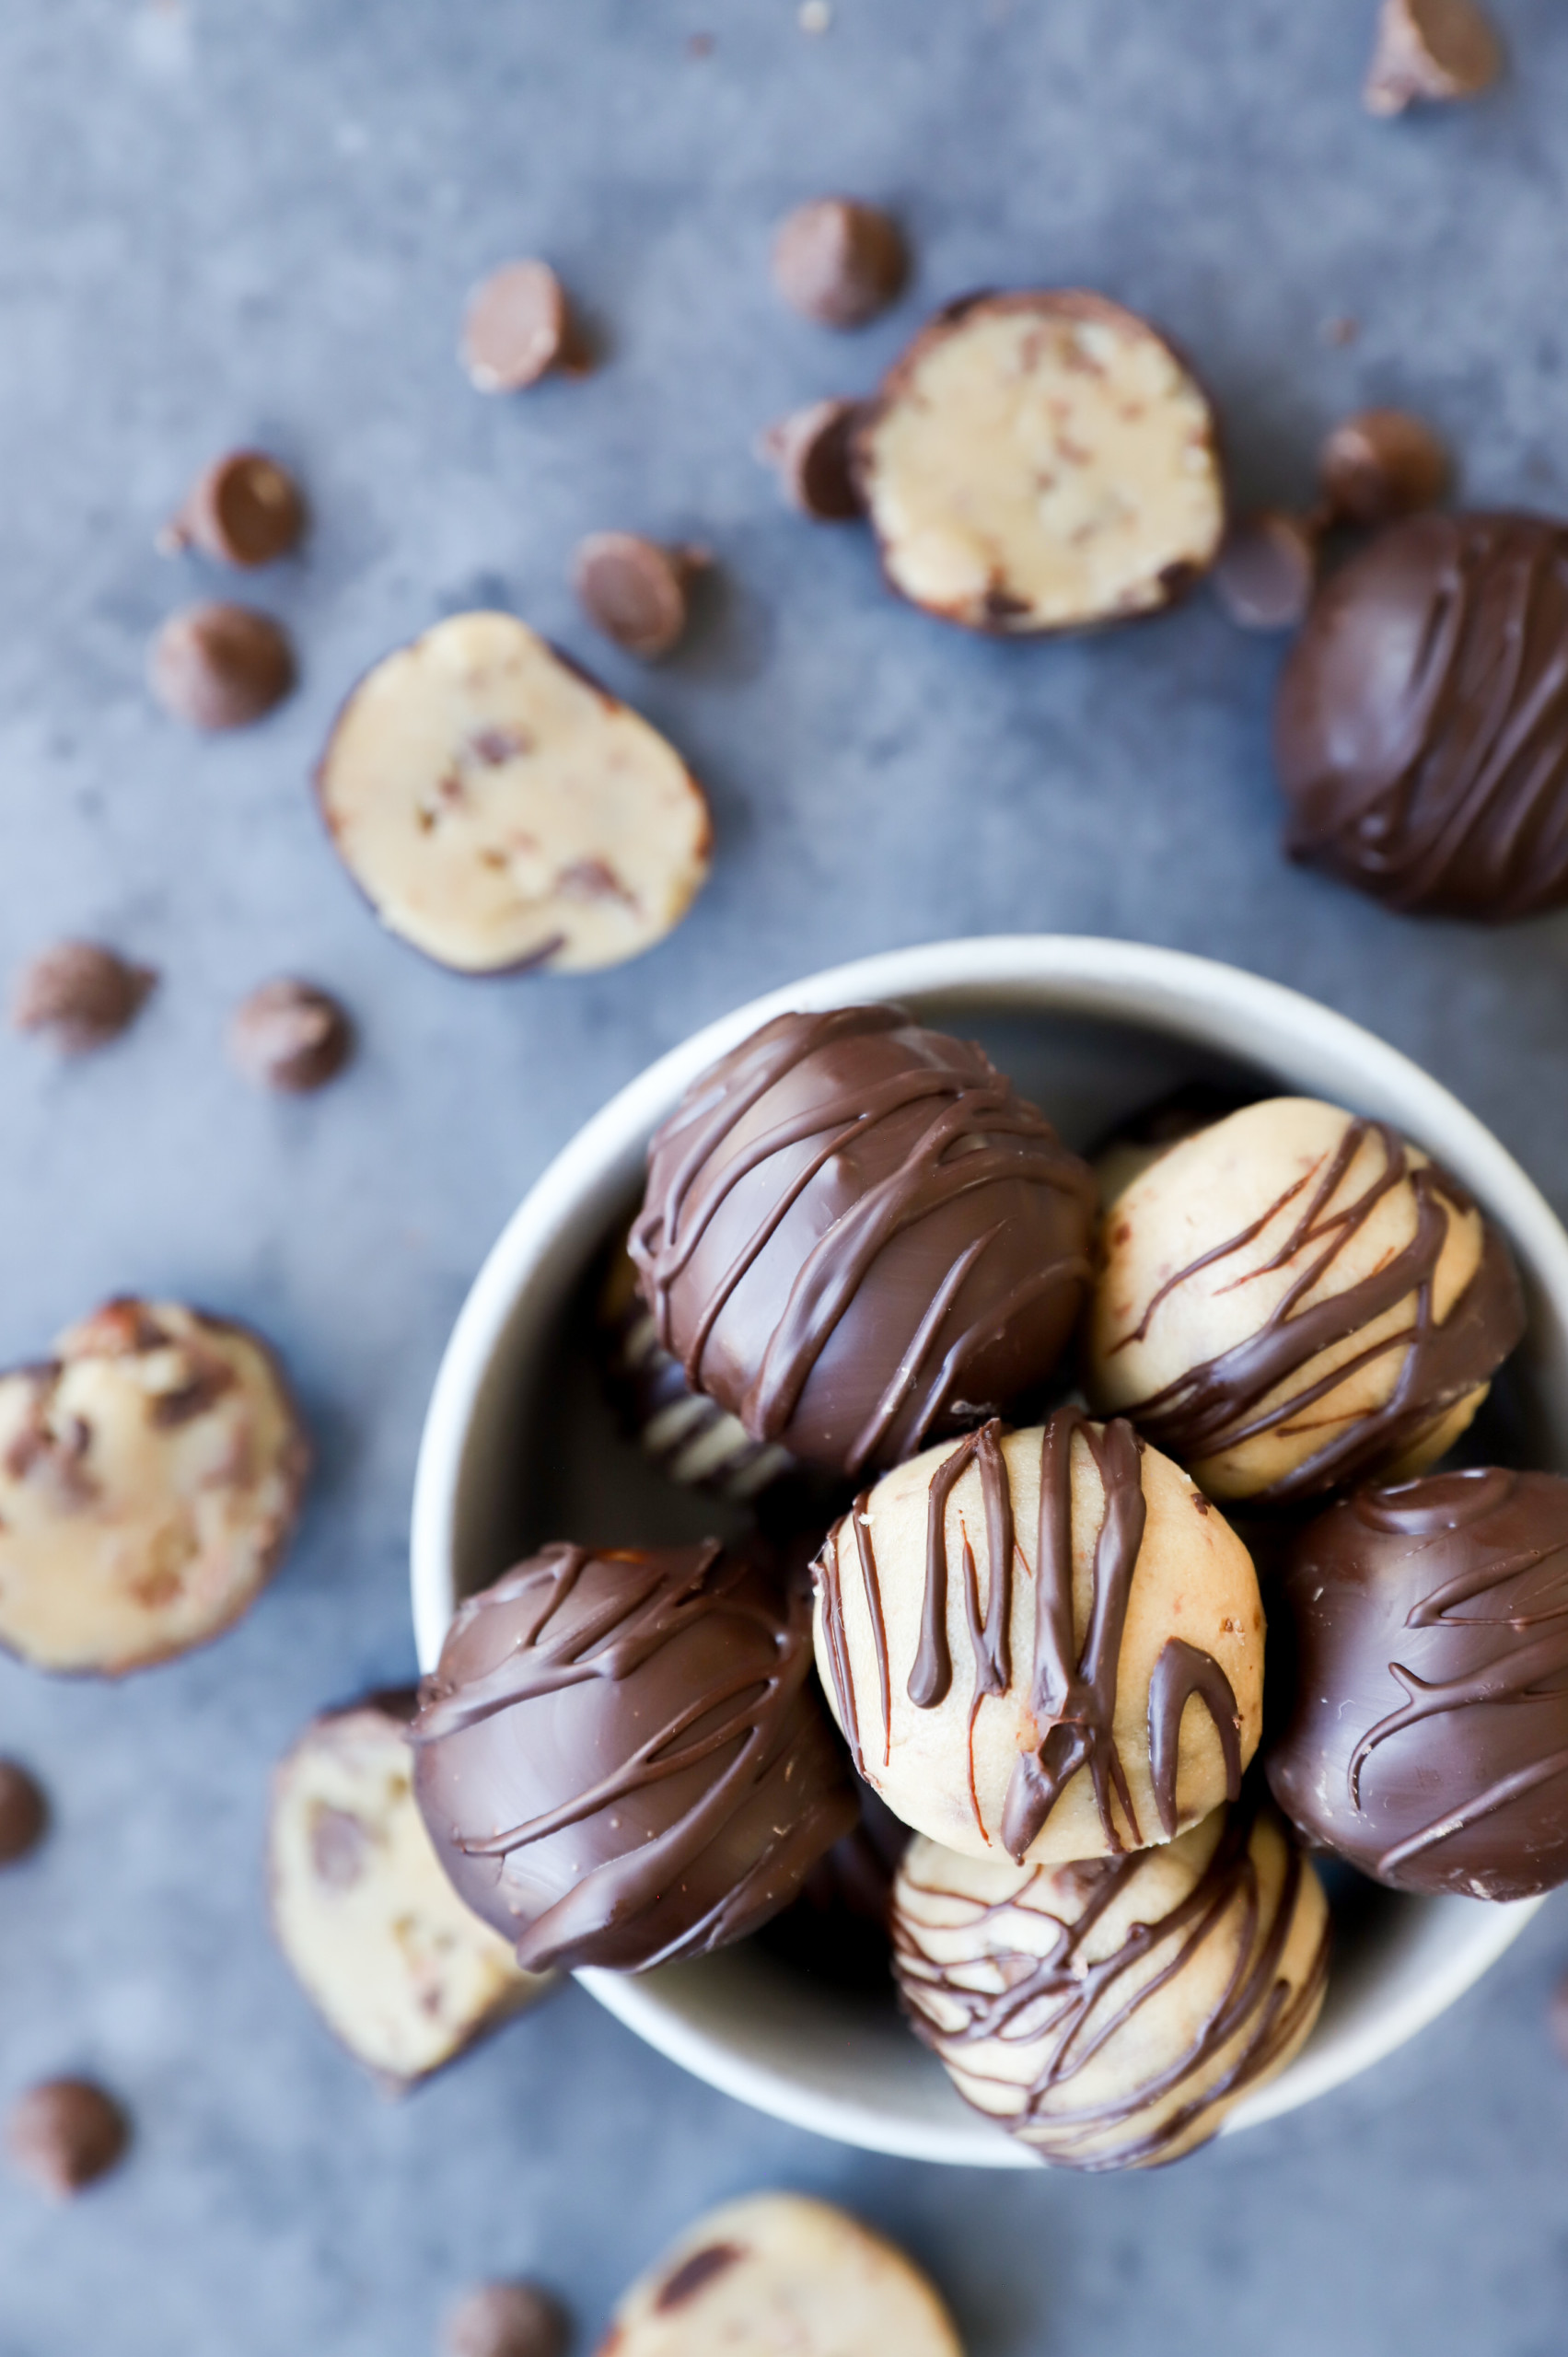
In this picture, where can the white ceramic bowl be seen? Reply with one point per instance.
(517, 1448)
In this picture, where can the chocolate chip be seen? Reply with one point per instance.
(505, 2320)
(65, 2132)
(1557, 2018)
(245, 509)
(1432, 50)
(638, 592)
(1266, 570)
(1382, 464)
(24, 1812)
(839, 262)
(517, 328)
(80, 994)
(338, 1844)
(220, 666)
(812, 451)
(694, 2273)
(288, 1035)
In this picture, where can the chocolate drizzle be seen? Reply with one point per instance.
(855, 1231)
(1070, 2005)
(1219, 1404)
(1181, 1672)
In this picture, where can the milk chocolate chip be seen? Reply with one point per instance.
(24, 1812)
(812, 451)
(80, 996)
(839, 262)
(65, 2132)
(517, 328)
(1382, 464)
(1430, 49)
(1266, 570)
(289, 1036)
(220, 666)
(505, 2320)
(243, 509)
(636, 591)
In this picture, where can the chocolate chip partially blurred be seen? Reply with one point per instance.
(243, 509)
(1430, 49)
(80, 994)
(636, 591)
(24, 1812)
(1557, 2018)
(220, 666)
(1266, 569)
(505, 2320)
(839, 262)
(1381, 464)
(288, 1035)
(812, 451)
(65, 2133)
(517, 327)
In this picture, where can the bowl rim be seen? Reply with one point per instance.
(1212, 1005)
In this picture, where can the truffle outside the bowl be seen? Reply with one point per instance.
(1090, 1029)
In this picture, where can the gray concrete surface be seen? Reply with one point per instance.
(220, 221)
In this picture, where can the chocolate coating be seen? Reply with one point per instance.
(856, 1236)
(1422, 730)
(620, 1759)
(1427, 1736)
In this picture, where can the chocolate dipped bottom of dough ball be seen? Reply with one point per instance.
(1295, 1299)
(1041, 461)
(1111, 2012)
(1426, 1662)
(620, 1757)
(698, 1443)
(1422, 728)
(1042, 1644)
(856, 1235)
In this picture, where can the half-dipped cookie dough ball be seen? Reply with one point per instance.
(622, 1758)
(856, 1235)
(1111, 2012)
(151, 1474)
(501, 810)
(1044, 1644)
(1295, 1298)
(1426, 1663)
(398, 1969)
(1041, 461)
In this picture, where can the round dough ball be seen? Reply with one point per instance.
(1293, 1298)
(1105, 1693)
(1111, 2013)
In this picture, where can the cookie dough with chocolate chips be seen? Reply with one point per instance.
(1042, 1644)
(80, 996)
(778, 2272)
(1111, 2012)
(398, 1969)
(500, 810)
(150, 1478)
(1041, 461)
(1295, 1298)
(244, 509)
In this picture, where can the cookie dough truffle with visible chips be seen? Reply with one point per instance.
(856, 1235)
(622, 1758)
(1111, 2012)
(1422, 730)
(1427, 1735)
(150, 1478)
(500, 810)
(398, 1968)
(1012, 1631)
(1295, 1299)
(1041, 462)
(778, 2272)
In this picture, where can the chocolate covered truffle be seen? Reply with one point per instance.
(1045, 1644)
(622, 1758)
(1422, 730)
(1111, 2012)
(1041, 461)
(1425, 1631)
(1293, 1299)
(856, 1236)
(689, 1437)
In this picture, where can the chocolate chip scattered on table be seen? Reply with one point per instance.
(64, 2134)
(217, 667)
(80, 996)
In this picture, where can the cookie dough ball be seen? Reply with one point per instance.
(1045, 1644)
(398, 1968)
(776, 2272)
(1420, 734)
(620, 1757)
(690, 1438)
(150, 1478)
(1041, 462)
(856, 1235)
(1109, 2013)
(501, 810)
(1426, 1647)
(1295, 1298)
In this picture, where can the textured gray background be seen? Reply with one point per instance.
(228, 218)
